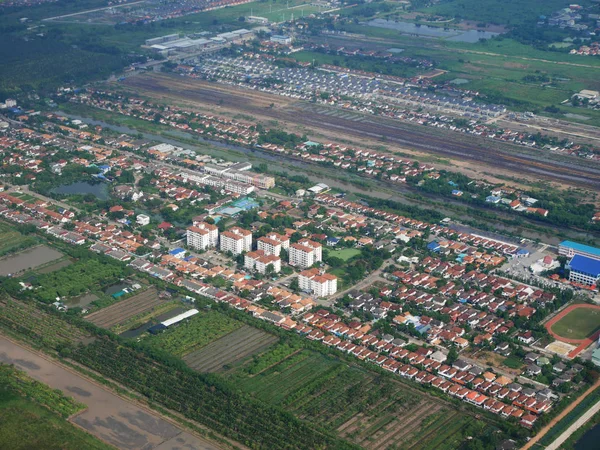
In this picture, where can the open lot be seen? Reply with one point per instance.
(230, 349)
(345, 253)
(108, 417)
(121, 312)
(29, 423)
(372, 411)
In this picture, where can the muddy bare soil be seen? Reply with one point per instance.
(108, 417)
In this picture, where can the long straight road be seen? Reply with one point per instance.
(573, 428)
(114, 420)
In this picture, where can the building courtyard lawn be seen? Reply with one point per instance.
(578, 324)
(345, 253)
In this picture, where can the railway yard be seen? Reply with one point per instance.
(337, 123)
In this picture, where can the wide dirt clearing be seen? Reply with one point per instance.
(108, 417)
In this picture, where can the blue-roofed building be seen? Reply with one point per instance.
(492, 199)
(584, 270)
(457, 192)
(177, 253)
(570, 249)
(433, 246)
(104, 168)
(332, 241)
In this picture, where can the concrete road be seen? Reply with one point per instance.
(109, 417)
(578, 424)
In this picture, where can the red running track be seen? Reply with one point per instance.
(583, 343)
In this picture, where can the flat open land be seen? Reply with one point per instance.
(108, 417)
(11, 240)
(577, 324)
(345, 253)
(231, 348)
(194, 333)
(126, 309)
(372, 411)
(485, 153)
(31, 424)
(36, 325)
(28, 259)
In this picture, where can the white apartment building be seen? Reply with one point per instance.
(236, 240)
(202, 236)
(272, 243)
(259, 261)
(305, 253)
(142, 219)
(317, 282)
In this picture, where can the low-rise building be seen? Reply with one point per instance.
(584, 270)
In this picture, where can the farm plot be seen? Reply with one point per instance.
(195, 333)
(123, 311)
(373, 411)
(229, 349)
(11, 240)
(37, 326)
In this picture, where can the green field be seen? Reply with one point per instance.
(578, 324)
(509, 12)
(345, 253)
(361, 406)
(194, 333)
(33, 416)
(38, 327)
(513, 362)
(12, 241)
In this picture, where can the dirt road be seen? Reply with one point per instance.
(558, 418)
(109, 417)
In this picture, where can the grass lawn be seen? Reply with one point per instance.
(345, 253)
(578, 324)
(513, 362)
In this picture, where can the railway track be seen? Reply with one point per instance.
(433, 141)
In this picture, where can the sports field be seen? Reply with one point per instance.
(578, 323)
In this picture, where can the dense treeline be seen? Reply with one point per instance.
(203, 398)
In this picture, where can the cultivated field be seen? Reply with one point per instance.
(231, 348)
(195, 333)
(123, 311)
(372, 411)
(11, 240)
(37, 326)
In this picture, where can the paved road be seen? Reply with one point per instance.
(558, 418)
(109, 417)
(578, 424)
